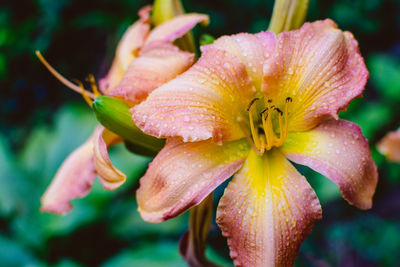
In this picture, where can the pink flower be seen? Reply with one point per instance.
(250, 105)
(390, 146)
(144, 60)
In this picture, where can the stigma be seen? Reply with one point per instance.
(268, 125)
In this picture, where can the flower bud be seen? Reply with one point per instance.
(288, 15)
(164, 10)
(114, 115)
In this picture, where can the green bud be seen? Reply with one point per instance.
(288, 15)
(114, 115)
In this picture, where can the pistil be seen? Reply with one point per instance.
(78, 87)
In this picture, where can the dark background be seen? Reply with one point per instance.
(41, 121)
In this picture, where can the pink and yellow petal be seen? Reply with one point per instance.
(253, 50)
(157, 64)
(207, 101)
(267, 211)
(183, 174)
(73, 179)
(390, 146)
(320, 68)
(110, 177)
(127, 49)
(174, 28)
(338, 150)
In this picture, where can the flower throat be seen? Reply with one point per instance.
(263, 135)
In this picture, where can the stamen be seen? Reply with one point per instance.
(251, 103)
(63, 80)
(254, 132)
(264, 117)
(93, 84)
(84, 93)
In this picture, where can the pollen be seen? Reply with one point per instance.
(263, 134)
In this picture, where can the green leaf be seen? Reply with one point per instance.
(385, 75)
(156, 254)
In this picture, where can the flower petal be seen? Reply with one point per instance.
(338, 150)
(183, 174)
(252, 49)
(73, 179)
(172, 29)
(267, 211)
(110, 177)
(320, 68)
(208, 100)
(390, 146)
(156, 65)
(132, 40)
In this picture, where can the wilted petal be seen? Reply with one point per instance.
(208, 100)
(390, 146)
(338, 150)
(266, 212)
(253, 51)
(73, 179)
(172, 29)
(110, 177)
(156, 65)
(183, 174)
(127, 50)
(320, 68)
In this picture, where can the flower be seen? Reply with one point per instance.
(251, 103)
(144, 60)
(390, 146)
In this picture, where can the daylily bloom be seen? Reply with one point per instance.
(251, 104)
(390, 146)
(144, 60)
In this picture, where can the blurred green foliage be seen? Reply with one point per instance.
(41, 123)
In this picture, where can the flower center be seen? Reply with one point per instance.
(263, 116)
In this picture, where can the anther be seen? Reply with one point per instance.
(93, 84)
(269, 100)
(289, 99)
(262, 112)
(279, 111)
(251, 103)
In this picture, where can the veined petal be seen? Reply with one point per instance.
(157, 64)
(183, 174)
(390, 146)
(320, 68)
(73, 179)
(172, 29)
(253, 50)
(110, 177)
(267, 211)
(338, 150)
(207, 101)
(127, 49)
